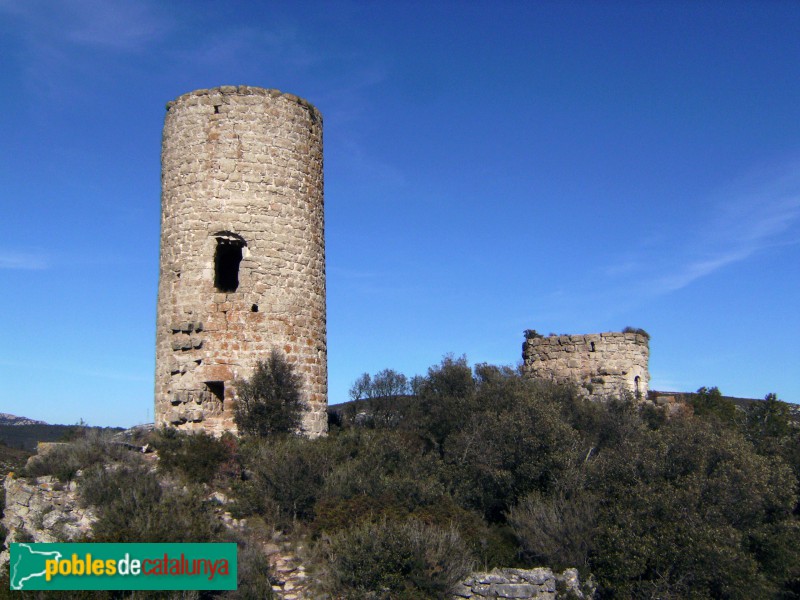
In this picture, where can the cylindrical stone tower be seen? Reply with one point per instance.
(242, 268)
(599, 364)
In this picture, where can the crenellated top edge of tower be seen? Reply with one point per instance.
(638, 336)
(244, 90)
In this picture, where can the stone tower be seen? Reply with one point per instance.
(600, 364)
(242, 267)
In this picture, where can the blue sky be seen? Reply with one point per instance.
(568, 167)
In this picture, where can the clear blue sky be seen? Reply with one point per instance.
(568, 167)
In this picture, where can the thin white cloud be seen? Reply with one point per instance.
(761, 214)
(120, 25)
(683, 275)
(22, 261)
(621, 268)
(756, 213)
(58, 46)
(98, 24)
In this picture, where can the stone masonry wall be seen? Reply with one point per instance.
(601, 364)
(523, 584)
(242, 267)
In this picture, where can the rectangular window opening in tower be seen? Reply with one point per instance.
(217, 389)
(227, 258)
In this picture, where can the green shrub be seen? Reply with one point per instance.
(269, 402)
(681, 509)
(387, 384)
(393, 560)
(377, 474)
(527, 472)
(253, 571)
(498, 458)
(65, 460)
(284, 479)
(554, 530)
(75, 432)
(197, 457)
(133, 507)
(443, 397)
(102, 486)
(709, 403)
(638, 330)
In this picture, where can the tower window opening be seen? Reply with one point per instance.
(217, 389)
(636, 386)
(591, 346)
(227, 258)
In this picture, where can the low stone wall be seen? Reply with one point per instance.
(522, 584)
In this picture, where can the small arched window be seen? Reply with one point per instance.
(227, 257)
(591, 346)
(636, 386)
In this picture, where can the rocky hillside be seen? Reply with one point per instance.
(8, 419)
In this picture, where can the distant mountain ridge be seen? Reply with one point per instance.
(8, 419)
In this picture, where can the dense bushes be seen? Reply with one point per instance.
(700, 504)
(386, 384)
(679, 508)
(133, 506)
(484, 465)
(197, 457)
(393, 560)
(64, 460)
(557, 529)
(283, 481)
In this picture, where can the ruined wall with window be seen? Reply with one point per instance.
(242, 267)
(600, 364)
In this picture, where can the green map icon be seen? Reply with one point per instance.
(27, 563)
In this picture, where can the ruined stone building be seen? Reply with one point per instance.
(600, 364)
(242, 265)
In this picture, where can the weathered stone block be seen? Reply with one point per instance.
(52, 519)
(514, 590)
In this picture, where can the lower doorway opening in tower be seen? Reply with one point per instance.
(217, 389)
(227, 258)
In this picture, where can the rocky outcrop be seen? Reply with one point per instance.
(42, 509)
(523, 584)
(8, 419)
